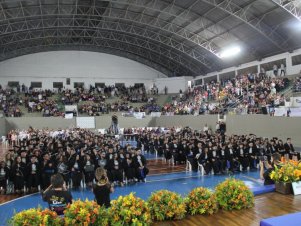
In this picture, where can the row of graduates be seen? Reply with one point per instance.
(36, 170)
(225, 156)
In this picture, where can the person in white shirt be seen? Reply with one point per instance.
(275, 69)
(282, 70)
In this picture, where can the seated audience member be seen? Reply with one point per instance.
(102, 188)
(269, 166)
(57, 195)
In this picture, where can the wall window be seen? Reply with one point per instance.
(198, 82)
(36, 85)
(139, 85)
(244, 71)
(13, 84)
(79, 85)
(99, 84)
(226, 76)
(58, 85)
(210, 79)
(269, 66)
(119, 85)
(296, 60)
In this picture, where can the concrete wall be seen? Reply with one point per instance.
(173, 84)
(2, 127)
(290, 69)
(260, 125)
(266, 126)
(39, 123)
(79, 66)
(124, 122)
(195, 122)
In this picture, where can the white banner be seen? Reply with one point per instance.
(281, 111)
(155, 114)
(295, 101)
(295, 112)
(139, 115)
(71, 108)
(69, 116)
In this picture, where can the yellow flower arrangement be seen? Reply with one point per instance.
(287, 172)
(36, 217)
(129, 210)
(167, 205)
(86, 213)
(201, 201)
(162, 205)
(234, 194)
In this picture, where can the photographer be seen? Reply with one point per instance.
(57, 195)
(269, 166)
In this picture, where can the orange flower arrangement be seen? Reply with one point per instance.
(234, 194)
(167, 205)
(36, 217)
(86, 213)
(201, 201)
(129, 210)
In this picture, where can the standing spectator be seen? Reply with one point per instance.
(275, 70)
(282, 70)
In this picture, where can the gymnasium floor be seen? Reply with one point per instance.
(181, 182)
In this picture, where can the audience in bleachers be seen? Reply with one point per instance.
(247, 93)
(241, 94)
(297, 85)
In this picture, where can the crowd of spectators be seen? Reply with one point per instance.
(244, 93)
(35, 155)
(9, 103)
(297, 85)
(40, 101)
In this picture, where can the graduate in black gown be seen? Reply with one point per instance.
(19, 172)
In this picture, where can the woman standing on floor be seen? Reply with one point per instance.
(102, 188)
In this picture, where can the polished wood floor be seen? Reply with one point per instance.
(266, 206)
(160, 166)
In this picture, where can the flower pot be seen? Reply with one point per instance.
(284, 188)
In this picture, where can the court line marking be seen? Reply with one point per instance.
(25, 196)
(176, 172)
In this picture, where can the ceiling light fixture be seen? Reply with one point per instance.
(229, 52)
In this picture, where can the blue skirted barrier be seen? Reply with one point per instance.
(285, 220)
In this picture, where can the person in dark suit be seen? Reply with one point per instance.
(205, 160)
(290, 150)
(33, 174)
(140, 165)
